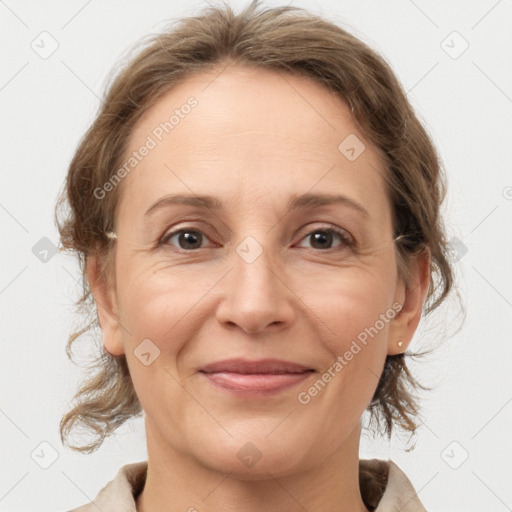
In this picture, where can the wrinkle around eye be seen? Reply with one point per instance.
(346, 240)
(170, 235)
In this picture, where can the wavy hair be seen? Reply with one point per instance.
(287, 39)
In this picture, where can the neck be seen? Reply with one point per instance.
(177, 482)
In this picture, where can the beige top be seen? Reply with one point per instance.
(384, 488)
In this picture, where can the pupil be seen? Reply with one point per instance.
(189, 237)
(322, 236)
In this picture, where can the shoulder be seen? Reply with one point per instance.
(386, 488)
(119, 494)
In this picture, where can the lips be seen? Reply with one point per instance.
(263, 366)
(255, 379)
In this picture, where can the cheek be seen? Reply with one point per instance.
(351, 303)
(355, 312)
(165, 306)
(153, 313)
(150, 306)
(357, 348)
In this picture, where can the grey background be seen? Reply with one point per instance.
(464, 100)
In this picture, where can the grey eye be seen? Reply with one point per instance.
(323, 238)
(187, 239)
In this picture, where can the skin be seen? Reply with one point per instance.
(255, 138)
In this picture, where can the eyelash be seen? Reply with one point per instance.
(345, 238)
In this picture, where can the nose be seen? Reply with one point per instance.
(256, 296)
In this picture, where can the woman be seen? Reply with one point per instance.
(256, 211)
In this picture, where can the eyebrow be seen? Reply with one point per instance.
(296, 202)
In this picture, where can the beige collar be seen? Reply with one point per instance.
(384, 488)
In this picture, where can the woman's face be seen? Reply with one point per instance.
(242, 276)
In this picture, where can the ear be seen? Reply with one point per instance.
(412, 297)
(106, 305)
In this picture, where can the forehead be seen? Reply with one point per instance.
(247, 131)
(248, 102)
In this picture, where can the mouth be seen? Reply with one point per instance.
(252, 379)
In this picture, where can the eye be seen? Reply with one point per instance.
(322, 238)
(187, 239)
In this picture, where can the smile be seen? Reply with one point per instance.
(252, 379)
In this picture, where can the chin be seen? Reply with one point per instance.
(246, 460)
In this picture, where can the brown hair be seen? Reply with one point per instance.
(281, 39)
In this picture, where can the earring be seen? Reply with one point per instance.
(400, 343)
(111, 235)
